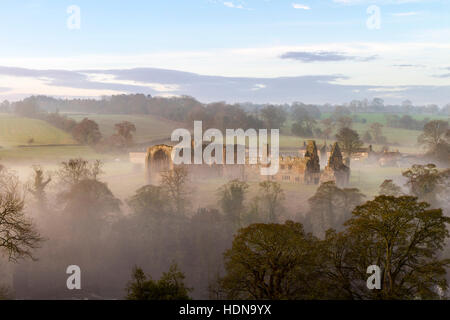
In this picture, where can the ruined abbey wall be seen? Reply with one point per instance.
(292, 169)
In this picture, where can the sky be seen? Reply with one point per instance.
(392, 49)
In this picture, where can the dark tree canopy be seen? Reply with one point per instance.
(231, 201)
(87, 132)
(434, 133)
(403, 237)
(331, 206)
(271, 261)
(273, 117)
(170, 287)
(349, 141)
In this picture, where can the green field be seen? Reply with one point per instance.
(381, 117)
(397, 138)
(16, 131)
(41, 154)
(148, 128)
(402, 139)
(408, 141)
(52, 144)
(49, 144)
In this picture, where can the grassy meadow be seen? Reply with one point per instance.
(148, 128)
(50, 144)
(16, 131)
(31, 140)
(399, 139)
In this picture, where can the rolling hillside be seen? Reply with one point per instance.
(402, 139)
(16, 131)
(148, 128)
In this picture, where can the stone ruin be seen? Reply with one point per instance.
(292, 169)
(312, 169)
(336, 170)
(324, 154)
(157, 160)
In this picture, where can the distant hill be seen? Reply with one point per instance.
(15, 131)
(148, 128)
(317, 88)
(51, 144)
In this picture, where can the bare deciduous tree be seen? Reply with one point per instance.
(37, 189)
(18, 236)
(174, 181)
(75, 170)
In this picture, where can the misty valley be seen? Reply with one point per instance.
(96, 206)
(224, 159)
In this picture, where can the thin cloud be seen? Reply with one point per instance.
(257, 87)
(356, 2)
(405, 14)
(408, 65)
(207, 88)
(230, 4)
(323, 56)
(443, 76)
(300, 6)
(73, 79)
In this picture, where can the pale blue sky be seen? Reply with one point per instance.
(38, 27)
(251, 38)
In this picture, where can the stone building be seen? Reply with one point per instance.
(336, 170)
(159, 158)
(299, 169)
(390, 159)
(292, 169)
(362, 153)
(312, 163)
